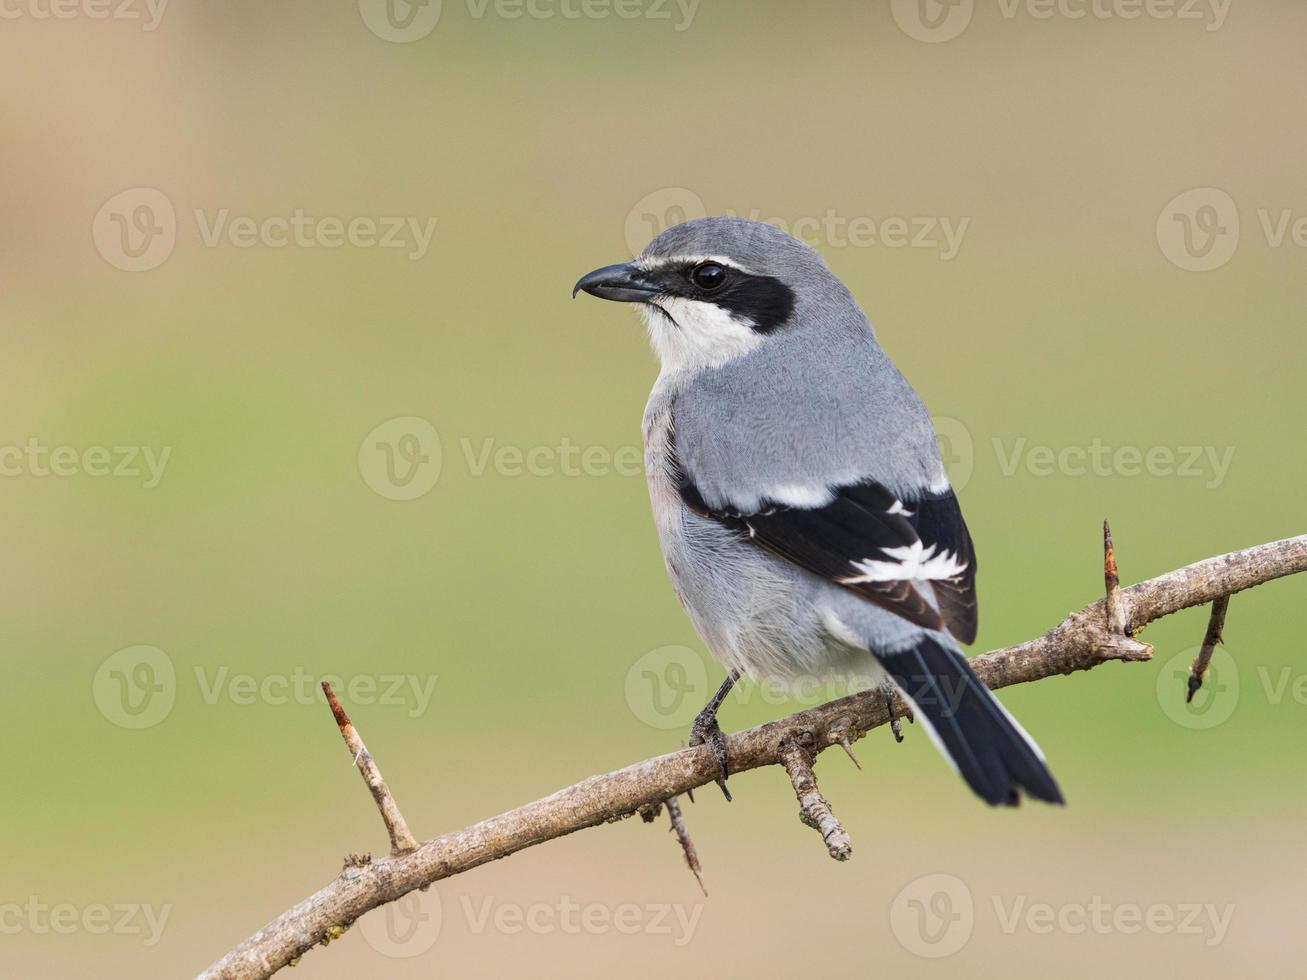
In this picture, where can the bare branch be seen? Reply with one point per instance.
(687, 846)
(401, 841)
(813, 808)
(1080, 642)
(1215, 629)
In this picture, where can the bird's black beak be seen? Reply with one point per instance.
(622, 283)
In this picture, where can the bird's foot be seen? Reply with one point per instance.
(895, 724)
(706, 731)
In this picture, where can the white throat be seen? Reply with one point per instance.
(703, 335)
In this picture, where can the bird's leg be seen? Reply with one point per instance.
(888, 689)
(706, 731)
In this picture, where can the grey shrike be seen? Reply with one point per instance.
(804, 513)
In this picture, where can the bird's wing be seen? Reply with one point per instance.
(818, 449)
(865, 538)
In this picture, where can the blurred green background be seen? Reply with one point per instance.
(524, 610)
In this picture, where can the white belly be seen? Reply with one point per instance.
(756, 613)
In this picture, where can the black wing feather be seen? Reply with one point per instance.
(860, 523)
(938, 521)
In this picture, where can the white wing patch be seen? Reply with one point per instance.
(915, 561)
(798, 495)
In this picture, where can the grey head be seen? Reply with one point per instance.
(715, 289)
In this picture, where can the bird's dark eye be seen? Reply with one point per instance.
(708, 276)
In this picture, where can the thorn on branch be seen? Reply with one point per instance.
(1123, 648)
(687, 845)
(1214, 635)
(848, 750)
(401, 840)
(1118, 642)
(1112, 581)
(813, 808)
(844, 733)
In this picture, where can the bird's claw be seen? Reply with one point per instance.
(706, 731)
(895, 724)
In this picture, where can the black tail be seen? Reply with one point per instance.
(990, 750)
